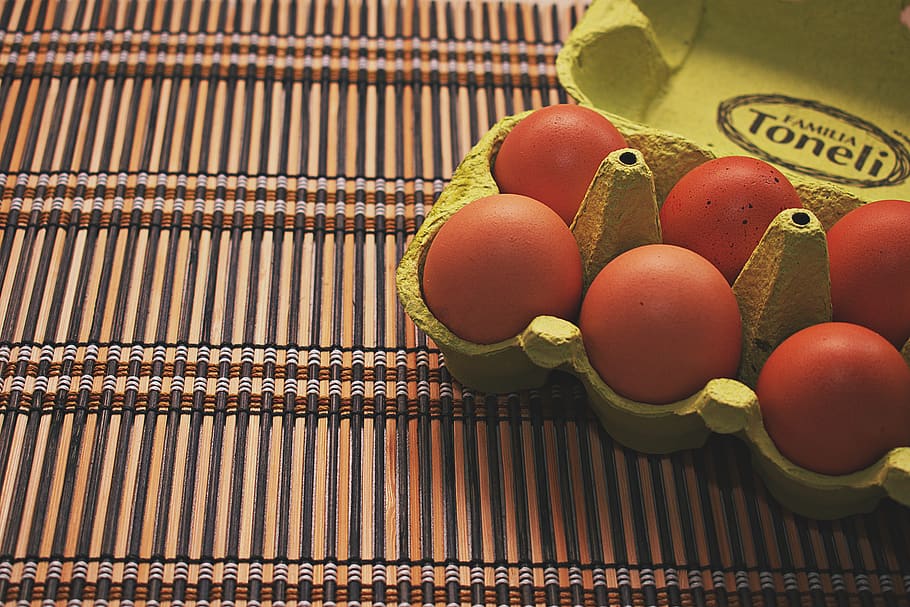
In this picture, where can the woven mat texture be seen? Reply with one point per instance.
(208, 391)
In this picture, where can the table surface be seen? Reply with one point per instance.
(208, 391)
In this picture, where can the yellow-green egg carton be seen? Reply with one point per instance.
(817, 88)
(784, 287)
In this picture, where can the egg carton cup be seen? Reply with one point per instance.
(783, 288)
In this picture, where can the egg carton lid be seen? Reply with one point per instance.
(818, 89)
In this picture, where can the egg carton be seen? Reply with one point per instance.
(783, 288)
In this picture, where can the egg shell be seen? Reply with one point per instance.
(659, 322)
(869, 251)
(721, 209)
(498, 263)
(835, 397)
(532, 161)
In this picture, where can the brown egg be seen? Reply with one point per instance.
(499, 262)
(659, 322)
(869, 251)
(553, 154)
(835, 397)
(721, 209)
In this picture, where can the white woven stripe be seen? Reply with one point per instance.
(427, 574)
(452, 574)
(54, 570)
(30, 570)
(156, 570)
(305, 573)
(280, 572)
(181, 570)
(622, 577)
(80, 569)
(206, 571)
(646, 577)
(550, 577)
(718, 579)
(815, 580)
(330, 572)
(403, 574)
(575, 576)
(742, 580)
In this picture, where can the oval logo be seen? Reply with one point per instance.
(814, 139)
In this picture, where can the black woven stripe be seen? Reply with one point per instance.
(711, 525)
(534, 596)
(13, 523)
(425, 448)
(542, 474)
(332, 443)
(380, 436)
(356, 430)
(6, 16)
(141, 496)
(565, 414)
(117, 490)
(47, 467)
(864, 590)
(75, 440)
(310, 192)
(309, 469)
(101, 434)
(335, 37)
(231, 298)
(239, 228)
(263, 473)
(185, 514)
(441, 563)
(401, 462)
(642, 554)
(241, 428)
(592, 525)
(323, 412)
(733, 525)
(288, 434)
(617, 532)
(664, 534)
(22, 480)
(555, 34)
(214, 344)
(8, 76)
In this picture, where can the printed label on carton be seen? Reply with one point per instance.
(815, 139)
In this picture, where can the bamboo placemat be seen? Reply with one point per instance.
(208, 392)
